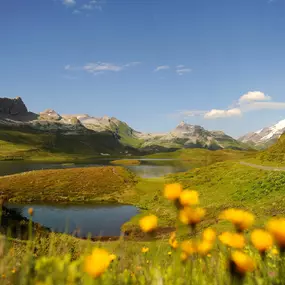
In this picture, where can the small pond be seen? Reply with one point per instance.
(148, 168)
(79, 220)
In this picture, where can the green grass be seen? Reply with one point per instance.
(204, 157)
(28, 144)
(220, 185)
(90, 184)
(58, 258)
(274, 155)
(229, 184)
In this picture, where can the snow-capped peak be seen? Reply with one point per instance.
(266, 135)
(275, 130)
(280, 125)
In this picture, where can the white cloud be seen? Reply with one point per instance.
(134, 63)
(251, 101)
(87, 7)
(101, 67)
(93, 4)
(214, 114)
(264, 106)
(69, 2)
(253, 96)
(193, 113)
(162, 67)
(76, 12)
(181, 71)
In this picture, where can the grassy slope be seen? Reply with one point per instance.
(274, 155)
(220, 185)
(203, 156)
(26, 143)
(230, 184)
(67, 185)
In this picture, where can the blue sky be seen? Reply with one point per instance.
(151, 63)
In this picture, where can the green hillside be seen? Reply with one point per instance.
(204, 156)
(25, 143)
(274, 155)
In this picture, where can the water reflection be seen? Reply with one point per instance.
(148, 167)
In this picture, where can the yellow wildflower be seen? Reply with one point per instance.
(13, 270)
(148, 224)
(232, 239)
(172, 191)
(189, 198)
(274, 251)
(204, 247)
(113, 257)
(183, 256)
(172, 240)
(145, 249)
(243, 263)
(97, 263)
(191, 216)
(31, 211)
(261, 240)
(188, 246)
(169, 253)
(277, 228)
(241, 219)
(209, 235)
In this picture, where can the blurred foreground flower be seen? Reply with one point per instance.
(112, 257)
(172, 240)
(232, 239)
(145, 249)
(209, 235)
(188, 247)
(189, 198)
(261, 240)
(172, 191)
(277, 228)
(97, 263)
(31, 211)
(241, 219)
(183, 256)
(148, 224)
(191, 216)
(242, 263)
(204, 247)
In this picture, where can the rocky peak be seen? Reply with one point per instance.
(187, 128)
(50, 114)
(12, 107)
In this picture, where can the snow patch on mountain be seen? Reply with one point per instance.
(266, 135)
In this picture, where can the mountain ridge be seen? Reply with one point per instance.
(183, 136)
(266, 136)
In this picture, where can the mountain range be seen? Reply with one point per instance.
(14, 115)
(264, 137)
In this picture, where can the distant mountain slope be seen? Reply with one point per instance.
(191, 136)
(275, 153)
(83, 134)
(266, 136)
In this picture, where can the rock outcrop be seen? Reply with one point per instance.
(12, 107)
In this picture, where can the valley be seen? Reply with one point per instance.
(96, 178)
